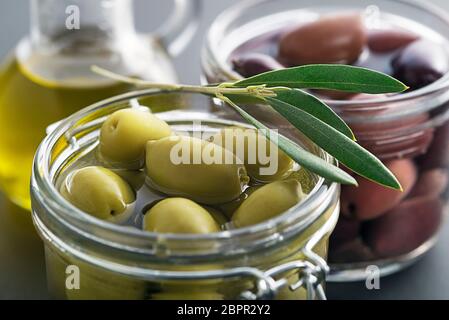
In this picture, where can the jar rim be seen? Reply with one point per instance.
(44, 191)
(231, 14)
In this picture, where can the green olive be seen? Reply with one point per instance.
(268, 202)
(184, 166)
(179, 215)
(124, 134)
(256, 152)
(306, 178)
(99, 192)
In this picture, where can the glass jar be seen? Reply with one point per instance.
(409, 131)
(283, 258)
(53, 66)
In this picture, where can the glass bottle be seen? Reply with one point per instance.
(48, 76)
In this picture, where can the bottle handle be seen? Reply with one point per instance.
(180, 27)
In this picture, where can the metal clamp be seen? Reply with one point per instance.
(312, 274)
(312, 271)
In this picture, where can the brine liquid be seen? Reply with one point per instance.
(28, 104)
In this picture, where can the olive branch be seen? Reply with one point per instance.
(283, 91)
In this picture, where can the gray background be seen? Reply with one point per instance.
(19, 278)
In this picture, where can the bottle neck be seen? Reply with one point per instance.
(78, 24)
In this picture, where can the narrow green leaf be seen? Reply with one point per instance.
(316, 108)
(306, 159)
(304, 101)
(338, 145)
(327, 76)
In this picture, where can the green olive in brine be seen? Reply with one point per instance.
(194, 169)
(99, 192)
(124, 134)
(268, 202)
(263, 160)
(179, 215)
(306, 178)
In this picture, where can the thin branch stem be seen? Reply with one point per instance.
(223, 89)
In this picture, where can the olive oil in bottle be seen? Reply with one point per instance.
(48, 76)
(28, 104)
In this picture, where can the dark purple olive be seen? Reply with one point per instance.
(336, 38)
(420, 64)
(382, 41)
(431, 183)
(251, 64)
(353, 251)
(370, 200)
(345, 231)
(404, 228)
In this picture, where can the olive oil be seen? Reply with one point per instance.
(28, 104)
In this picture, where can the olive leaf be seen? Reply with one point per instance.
(304, 101)
(315, 107)
(297, 153)
(307, 113)
(325, 76)
(348, 152)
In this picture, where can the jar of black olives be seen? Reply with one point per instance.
(110, 233)
(408, 40)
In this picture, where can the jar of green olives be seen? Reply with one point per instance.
(121, 221)
(409, 132)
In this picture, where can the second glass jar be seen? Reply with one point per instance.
(408, 132)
